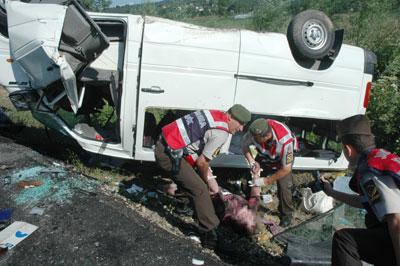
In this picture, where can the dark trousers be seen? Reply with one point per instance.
(373, 245)
(285, 189)
(189, 180)
(285, 193)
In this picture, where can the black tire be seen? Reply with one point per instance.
(311, 35)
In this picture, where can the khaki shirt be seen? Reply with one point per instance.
(287, 157)
(213, 141)
(381, 193)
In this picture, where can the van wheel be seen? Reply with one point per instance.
(311, 35)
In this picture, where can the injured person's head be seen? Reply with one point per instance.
(234, 211)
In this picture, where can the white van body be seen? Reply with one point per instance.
(166, 65)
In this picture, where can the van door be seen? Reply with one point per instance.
(184, 67)
(53, 42)
(12, 77)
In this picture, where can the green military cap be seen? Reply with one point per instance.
(240, 113)
(354, 125)
(259, 127)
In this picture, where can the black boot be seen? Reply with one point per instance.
(209, 239)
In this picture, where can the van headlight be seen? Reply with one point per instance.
(23, 99)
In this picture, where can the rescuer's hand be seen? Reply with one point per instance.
(213, 185)
(326, 185)
(255, 168)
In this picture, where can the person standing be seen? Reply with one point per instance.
(275, 155)
(376, 181)
(185, 148)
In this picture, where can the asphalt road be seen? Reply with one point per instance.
(81, 224)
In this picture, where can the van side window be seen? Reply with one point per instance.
(3, 23)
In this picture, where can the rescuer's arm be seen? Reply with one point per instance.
(286, 168)
(350, 199)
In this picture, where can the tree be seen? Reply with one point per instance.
(384, 110)
(96, 5)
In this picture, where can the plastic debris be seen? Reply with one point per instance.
(37, 211)
(195, 239)
(15, 233)
(197, 262)
(29, 184)
(134, 189)
(267, 198)
(316, 202)
(5, 215)
(152, 195)
(341, 184)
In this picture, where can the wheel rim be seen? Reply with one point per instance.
(314, 35)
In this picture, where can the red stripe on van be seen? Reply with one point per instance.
(367, 94)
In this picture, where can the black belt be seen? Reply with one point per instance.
(174, 155)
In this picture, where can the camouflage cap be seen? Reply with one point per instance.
(259, 127)
(240, 113)
(354, 125)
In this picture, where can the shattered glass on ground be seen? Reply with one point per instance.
(57, 185)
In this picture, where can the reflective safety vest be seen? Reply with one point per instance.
(281, 136)
(192, 127)
(379, 162)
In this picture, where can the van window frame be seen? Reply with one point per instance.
(3, 23)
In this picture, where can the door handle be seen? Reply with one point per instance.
(153, 89)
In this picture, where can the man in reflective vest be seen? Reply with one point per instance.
(376, 180)
(275, 145)
(186, 147)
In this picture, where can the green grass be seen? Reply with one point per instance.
(103, 175)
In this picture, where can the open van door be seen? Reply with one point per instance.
(53, 42)
(12, 77)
